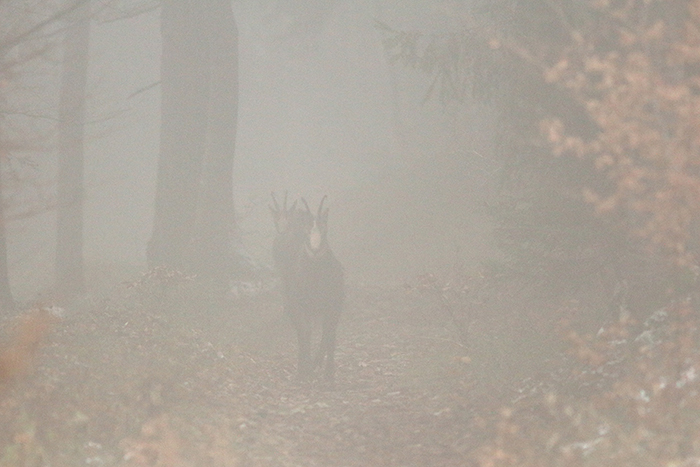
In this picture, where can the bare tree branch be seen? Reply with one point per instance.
(7, 45)
(119, 14)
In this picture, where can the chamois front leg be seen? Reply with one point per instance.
(305, 368)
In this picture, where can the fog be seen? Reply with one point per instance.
(489, 252)
(317, 116)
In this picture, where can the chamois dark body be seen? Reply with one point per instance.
(313, 288)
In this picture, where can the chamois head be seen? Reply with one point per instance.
(317, 229)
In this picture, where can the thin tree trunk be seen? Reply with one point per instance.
(184, 115)
(216, 223)
(6, 300)
(69, 236)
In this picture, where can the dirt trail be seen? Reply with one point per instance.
(121, 385)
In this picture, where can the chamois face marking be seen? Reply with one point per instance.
(315, 237)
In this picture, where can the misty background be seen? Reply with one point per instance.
(322, 111)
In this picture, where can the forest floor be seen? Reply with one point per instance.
(125, 379)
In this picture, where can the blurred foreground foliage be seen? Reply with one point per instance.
(644, 410)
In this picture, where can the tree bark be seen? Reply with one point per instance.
(6, 301)
(214, 254)
(69, 233)
(184, 114)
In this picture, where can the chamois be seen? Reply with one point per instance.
(312, 282)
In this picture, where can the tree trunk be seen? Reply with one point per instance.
(215, 223)
(184, 116)
(6, 301)
(69, 233)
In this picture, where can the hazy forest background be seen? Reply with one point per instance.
(514, 192)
